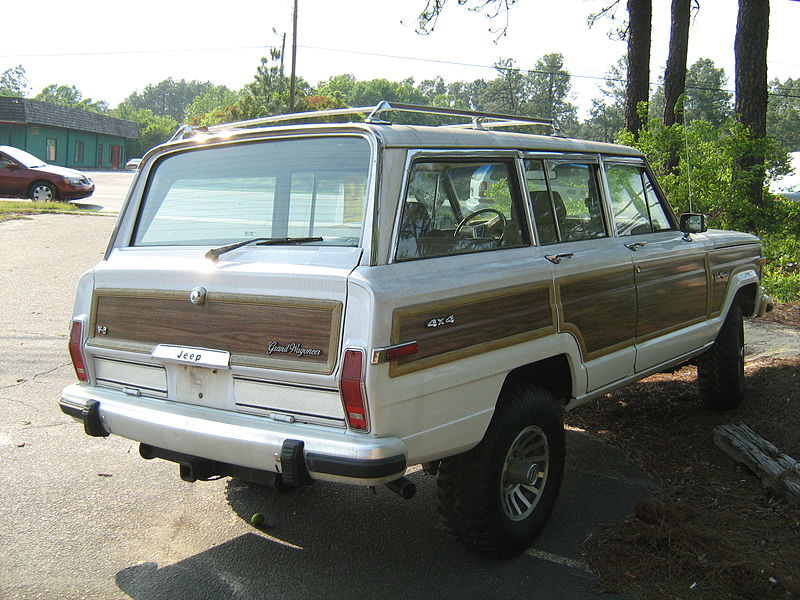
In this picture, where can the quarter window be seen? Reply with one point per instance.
(459, 208)
(636, 207)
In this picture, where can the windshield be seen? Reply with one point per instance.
(311, 187)
(28, 160)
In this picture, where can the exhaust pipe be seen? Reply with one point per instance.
(403, 488)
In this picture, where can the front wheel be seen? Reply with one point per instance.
(720, 371)
(497, 497)
(41, 191)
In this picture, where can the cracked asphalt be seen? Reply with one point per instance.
(82, 517)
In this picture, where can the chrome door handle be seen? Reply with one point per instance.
(635, 245)
(557, 258)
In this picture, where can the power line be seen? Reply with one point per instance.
(359, 53)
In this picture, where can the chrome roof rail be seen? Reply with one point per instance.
(479, 119)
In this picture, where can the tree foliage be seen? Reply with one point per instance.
(153, 129)
(14, 82)
(783, 112)
(69, 95)
(168, 98)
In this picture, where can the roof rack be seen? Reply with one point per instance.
(478, 119)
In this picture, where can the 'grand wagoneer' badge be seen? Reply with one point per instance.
(294, 348)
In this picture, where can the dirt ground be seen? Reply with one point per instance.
(712, 531)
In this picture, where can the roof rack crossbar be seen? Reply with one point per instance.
(479, 119)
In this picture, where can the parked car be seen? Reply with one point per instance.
(290, 303)
(133, 164)
(22, 175)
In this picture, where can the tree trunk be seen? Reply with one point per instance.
(640, 16)
(675, 74)
(752, 36)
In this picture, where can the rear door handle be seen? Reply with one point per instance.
(635, 245)
(557, 258)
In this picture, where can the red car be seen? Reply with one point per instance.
(22, 175)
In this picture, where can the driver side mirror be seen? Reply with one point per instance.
(693, 223)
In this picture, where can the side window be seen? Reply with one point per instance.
(636, 207)
(459, 207)
(571, 209)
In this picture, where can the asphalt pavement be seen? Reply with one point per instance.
(83, 517)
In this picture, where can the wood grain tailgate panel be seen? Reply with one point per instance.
(242, 325)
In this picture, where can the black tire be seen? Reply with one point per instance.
(720, 371)
(481, 498)
(42, 191)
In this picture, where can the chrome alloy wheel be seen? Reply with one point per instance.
(524, 474)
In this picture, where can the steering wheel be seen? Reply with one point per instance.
(472, 215)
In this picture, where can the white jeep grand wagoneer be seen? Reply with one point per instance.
(285, 302)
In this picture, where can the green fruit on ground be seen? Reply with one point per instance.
(257, 519)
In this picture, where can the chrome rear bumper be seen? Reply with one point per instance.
(235, 438)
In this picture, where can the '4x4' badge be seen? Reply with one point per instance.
(439, 321)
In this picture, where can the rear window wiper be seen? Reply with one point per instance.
(215, 253)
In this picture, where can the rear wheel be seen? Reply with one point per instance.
(720, 371)
(42, 191)
(497, 497)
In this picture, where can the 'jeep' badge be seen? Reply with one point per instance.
(198, 295)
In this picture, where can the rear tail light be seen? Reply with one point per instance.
(351, 387)
(75, 352)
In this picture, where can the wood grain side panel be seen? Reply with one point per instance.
(243, 326)
(672, 293)
(481, 322)
(599, 309)
(725, 263)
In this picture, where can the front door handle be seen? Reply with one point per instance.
(635, 245)
(557, 258)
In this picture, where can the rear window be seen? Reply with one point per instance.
(313, 187)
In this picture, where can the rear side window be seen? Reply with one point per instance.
(634, 202)
(459, 207)
(314, 187)
(566, 201)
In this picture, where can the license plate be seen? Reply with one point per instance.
(200, 357)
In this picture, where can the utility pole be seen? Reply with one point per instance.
(294, 58)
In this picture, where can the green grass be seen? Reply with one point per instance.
(22, 209)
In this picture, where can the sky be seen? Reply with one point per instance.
(109, 50)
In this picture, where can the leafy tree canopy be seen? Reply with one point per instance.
(13, 82)
(69, 95)
(783, 112)
(153, 129)
(169, 98)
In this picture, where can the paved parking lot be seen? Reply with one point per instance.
(83, 517)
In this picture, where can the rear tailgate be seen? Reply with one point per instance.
(259, 331)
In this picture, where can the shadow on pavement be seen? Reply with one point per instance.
(341, 541)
